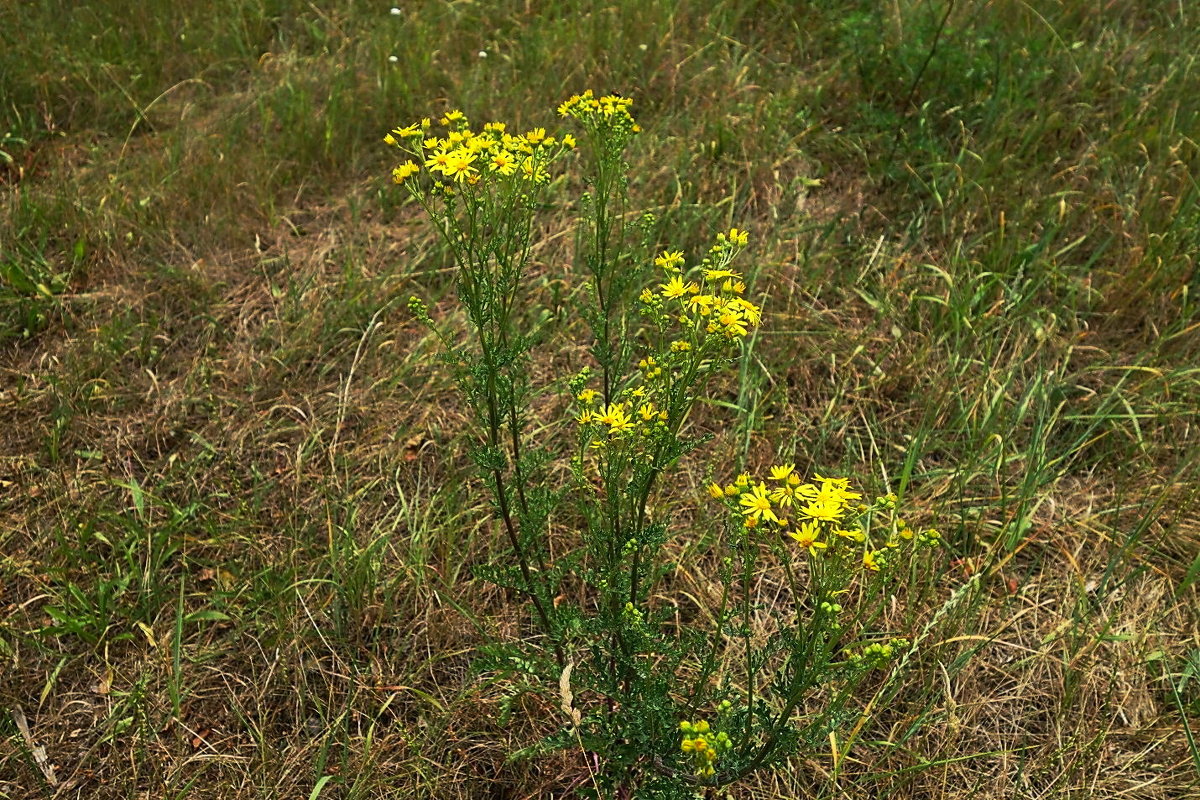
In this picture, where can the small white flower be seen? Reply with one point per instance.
(393, 59)
(483, 53)
(395, 11)
(643, 47)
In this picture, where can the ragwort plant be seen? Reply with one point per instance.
(663, 705)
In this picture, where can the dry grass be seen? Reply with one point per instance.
(230, 464)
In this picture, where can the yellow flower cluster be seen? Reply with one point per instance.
(703, 746)
(464, 156)
(617, 415)
(827, 512)
(611, 111)
(711, 303)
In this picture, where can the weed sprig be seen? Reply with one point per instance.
(631, 680)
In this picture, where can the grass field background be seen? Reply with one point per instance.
(238, 525)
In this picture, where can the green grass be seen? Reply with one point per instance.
(237, 524)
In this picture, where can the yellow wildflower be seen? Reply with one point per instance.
(503, 162)
(669, 260)
(782, 471)
(735, 236)
(404, 171)
(718, 274)
(459, 166)
(806, 537)
(733, 322)
(750, 311)
(438, 162)
(615, 418)
(852, 535)
(676, 288)
(823, 510)
(408, 132)
(700, 303)
(757, 505)
(533, 171)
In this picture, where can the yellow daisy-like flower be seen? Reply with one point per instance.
(701, 304)
(852, 535)
(567, 106)
(843, 483)
(735, 236)
(536, 135)
(757, 505)
(533, 171)
(715, 491)
(586, 417)
(786, 495)
(806, 537)
(615, 418)
(408, 132)
(677, 288)
(670, 259)
(870, 561)
(459, 166)
(503, 162)
(781, 472)
(750, 311)
(568, 141)
(733, 323)
(404, 171)
(718, 274)
(587, 395)
(823, 511)
(438, 162)
(680, 346)
(478, 144)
